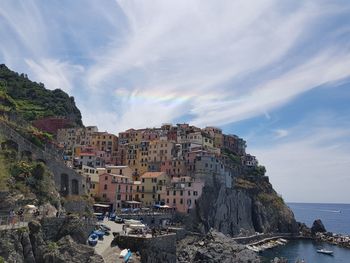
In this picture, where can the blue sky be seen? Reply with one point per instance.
(274, 72)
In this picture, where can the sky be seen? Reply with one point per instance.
(276, 73)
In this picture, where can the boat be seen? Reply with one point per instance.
(125, 254)
(137, 226)
(324, 251)
(92, 240)
(99, 233)
(132, 222)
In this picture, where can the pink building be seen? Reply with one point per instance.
(182, 193)
(116, 189)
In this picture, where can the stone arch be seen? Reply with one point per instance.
(26, 155)
(75, 187)
(64, 184)
(9, 145)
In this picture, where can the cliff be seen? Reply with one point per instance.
(32, 101)
(250, 205)
(34, 245)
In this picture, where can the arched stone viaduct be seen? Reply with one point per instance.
(68, 182)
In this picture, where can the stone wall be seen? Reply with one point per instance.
(52, 160)
(161, 249)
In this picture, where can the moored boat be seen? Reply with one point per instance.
(92, 240)
(324, 251)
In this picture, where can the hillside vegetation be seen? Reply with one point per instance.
(32, 100)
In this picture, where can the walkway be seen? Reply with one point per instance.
(110, 254)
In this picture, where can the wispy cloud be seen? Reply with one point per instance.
(55, 74)
(281, 133)
(218, 62)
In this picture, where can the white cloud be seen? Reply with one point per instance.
(55, 74)
(281, 133)
(193, 50)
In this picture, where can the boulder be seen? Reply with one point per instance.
(214, 247)
(318, 227)
(67, 251)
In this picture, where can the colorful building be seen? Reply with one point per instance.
(182, 193)
(151, 182)
(115, 189)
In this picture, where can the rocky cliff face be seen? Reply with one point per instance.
(29, 245)
(250, 206)
(214, 247)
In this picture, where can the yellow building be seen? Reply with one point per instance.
(151, 182)
(142, 158)
(160, 150)
(92, 178)
(119, 170)
(106, 142)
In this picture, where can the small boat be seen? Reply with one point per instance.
(99, 233)
(132, 222)
(92, 240)
(137, 226)
(324, 251)
(125, 254)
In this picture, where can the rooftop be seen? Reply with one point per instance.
(152, 174)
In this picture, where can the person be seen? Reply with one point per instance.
(12, 217)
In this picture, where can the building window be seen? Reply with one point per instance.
(106, 178)
(189, 193)
(118, 197)
(167, 192)
(143, 180)
(142, 196)
(195, 193)
(174, 201)
(181, 192)
(167, 200)
(181, 201)
(105, 187)
(174, 193)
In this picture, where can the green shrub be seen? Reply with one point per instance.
(52, 246)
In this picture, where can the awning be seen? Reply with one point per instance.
(30, 206)
(102, 205)
(132, 202)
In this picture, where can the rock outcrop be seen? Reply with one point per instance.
(240, 210)
(214, 247)
(28, 245)
(318, 227)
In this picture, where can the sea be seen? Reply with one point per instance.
(336, 219)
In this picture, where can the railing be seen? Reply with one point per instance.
(14, 222)
(19, 221)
